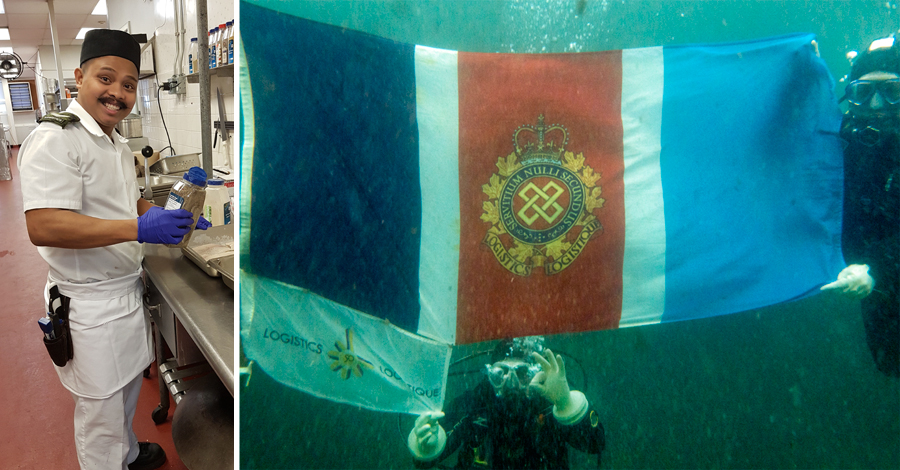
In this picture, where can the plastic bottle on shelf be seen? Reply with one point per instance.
(217, 208)
(231, 42)
(209, 49)
(222, 51)
(189, 194)
(213, 47)
(192, 57)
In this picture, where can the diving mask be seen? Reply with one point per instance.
(859, 92)
(511, 375)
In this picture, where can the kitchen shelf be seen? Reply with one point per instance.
(223, 71)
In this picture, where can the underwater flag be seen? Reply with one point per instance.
(334, 352)
(466, 197)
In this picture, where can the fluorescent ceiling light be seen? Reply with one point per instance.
(4, 34)
(83, 32)
(3, 8)
(100, 9)
(6, 49)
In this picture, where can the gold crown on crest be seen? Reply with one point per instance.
(533, 145)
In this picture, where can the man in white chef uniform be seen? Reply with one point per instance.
(83, 211)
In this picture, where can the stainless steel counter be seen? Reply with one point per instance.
(203, 304)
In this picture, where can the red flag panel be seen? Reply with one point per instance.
(498, 94)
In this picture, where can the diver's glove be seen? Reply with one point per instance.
(427, 439)
(569, 406)
(203, 224)
(158, 225)
(854, 281)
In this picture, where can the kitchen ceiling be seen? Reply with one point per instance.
(29, 26)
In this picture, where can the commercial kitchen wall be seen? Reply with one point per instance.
(46, 71)
(180, 113)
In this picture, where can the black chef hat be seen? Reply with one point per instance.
(104, 42)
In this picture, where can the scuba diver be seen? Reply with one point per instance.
(871, 128)
(521, 416)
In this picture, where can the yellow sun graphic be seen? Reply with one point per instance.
(345, 360)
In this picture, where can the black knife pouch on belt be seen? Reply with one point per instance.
(60, 347)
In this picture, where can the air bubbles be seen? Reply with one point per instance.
(553, 26)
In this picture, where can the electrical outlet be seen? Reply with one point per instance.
(177, 85)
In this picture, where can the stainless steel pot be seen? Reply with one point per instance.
(130, 127)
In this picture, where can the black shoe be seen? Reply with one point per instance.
(151, 456)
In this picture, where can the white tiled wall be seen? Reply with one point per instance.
(181, 117)
(181, 113)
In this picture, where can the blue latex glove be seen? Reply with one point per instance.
(158, 225)
(203, 224)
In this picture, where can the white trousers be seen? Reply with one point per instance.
(104, 439)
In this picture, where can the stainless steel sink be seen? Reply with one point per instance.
(160, 185)
(159, 180)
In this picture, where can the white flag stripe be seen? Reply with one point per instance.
(334, 352)
(248, 134)
(644, 264)
(437, 114)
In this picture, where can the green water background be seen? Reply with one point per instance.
(790, 386)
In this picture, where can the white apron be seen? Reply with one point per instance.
(110, 335)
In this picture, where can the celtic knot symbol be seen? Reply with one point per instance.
(540, 210)
(542, 203)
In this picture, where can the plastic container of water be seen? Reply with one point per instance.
(217, 208)
(193, 57)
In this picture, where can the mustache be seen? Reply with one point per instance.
(121, 104)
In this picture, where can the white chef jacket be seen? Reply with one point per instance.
(81, 169)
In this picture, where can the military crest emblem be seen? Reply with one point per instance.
(542, 202)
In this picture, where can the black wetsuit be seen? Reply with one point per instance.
(871, 235)
(498, 433)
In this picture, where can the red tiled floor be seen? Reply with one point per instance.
(36, 429)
